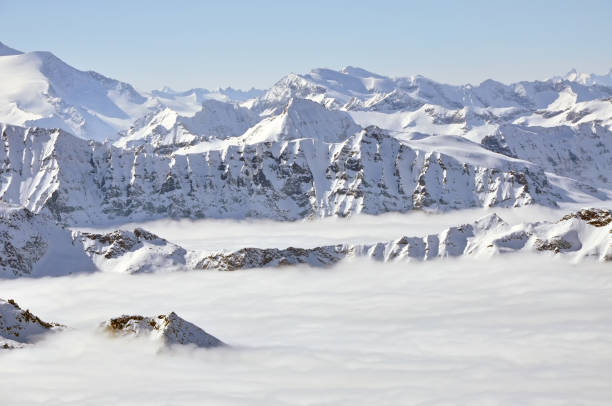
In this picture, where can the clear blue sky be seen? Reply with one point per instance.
(253, 43)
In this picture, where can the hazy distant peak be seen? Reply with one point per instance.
(6, 50)
(359, 72)
(589, 79)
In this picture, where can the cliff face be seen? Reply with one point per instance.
(287, 179)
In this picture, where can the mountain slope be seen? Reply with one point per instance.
(357, 89)
(589, 79)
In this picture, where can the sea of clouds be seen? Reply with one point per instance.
(516, 330)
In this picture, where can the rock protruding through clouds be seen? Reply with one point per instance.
(19, 328)
(168, 329)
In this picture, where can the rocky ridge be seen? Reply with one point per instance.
(584, 234)
(580, 235)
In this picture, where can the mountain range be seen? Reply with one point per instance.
(81, 148)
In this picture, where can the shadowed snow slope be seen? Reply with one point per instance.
(34, 245)
(18, 327)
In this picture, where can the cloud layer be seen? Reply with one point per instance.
(519, 330)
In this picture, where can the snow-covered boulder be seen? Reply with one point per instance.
(168, 329)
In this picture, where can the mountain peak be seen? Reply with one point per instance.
(302, 118)
(167, 328)
(6, 50)
(167, 89)
(359, 72)
(589, 79)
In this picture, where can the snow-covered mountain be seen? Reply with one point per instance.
(325, 143)
(39, 89)
(589, 79)
(134, 251)
(6, 50)
(357, 89)
(416, 107)
(34, 245)
(197, 96)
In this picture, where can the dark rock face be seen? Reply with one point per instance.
(248, 258)
(594, 217)
(20, 250)
(497, 144)
(556, 245)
